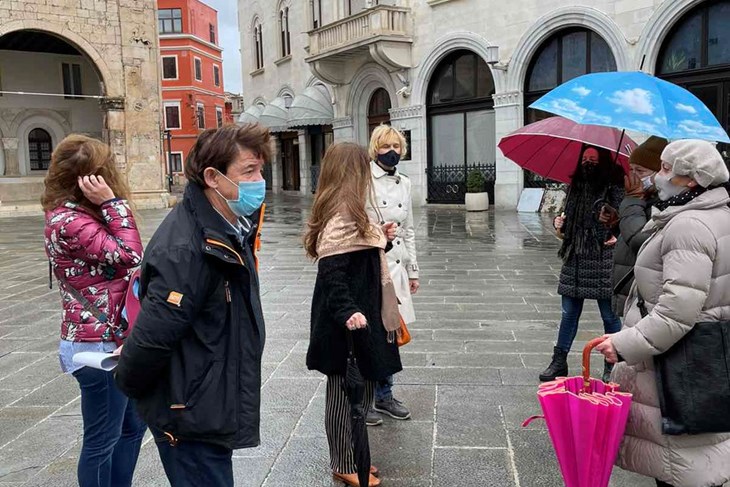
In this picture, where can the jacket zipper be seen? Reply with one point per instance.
(222, 245)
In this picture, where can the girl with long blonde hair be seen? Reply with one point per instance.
(353, 295)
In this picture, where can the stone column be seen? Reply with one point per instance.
(305, 163)
(277, 170)
(344, 129)
(413, 119)
(509, 117)
(142, 116)
(113, 132)
(12, 162)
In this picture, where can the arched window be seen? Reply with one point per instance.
(284, 31)
(258, 44)
(39, 149)
(685, 50)
(461, 126)
(696, 55)
(378, 109)
(566, 55)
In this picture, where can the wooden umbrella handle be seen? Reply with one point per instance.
(587, 361)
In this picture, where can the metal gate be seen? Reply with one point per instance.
(315, 177)
(447, 183)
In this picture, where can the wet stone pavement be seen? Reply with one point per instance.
(487, 317)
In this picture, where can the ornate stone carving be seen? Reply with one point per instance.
(110, 104)
(510, 98)
(342, 122)
(414, 111)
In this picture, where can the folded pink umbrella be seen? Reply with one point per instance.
(553, 147)
(586, 419)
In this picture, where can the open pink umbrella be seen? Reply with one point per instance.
(586, 419)
(552, 147)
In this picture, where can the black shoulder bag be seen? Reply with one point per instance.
(693, 379)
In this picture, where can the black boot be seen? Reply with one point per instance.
(607, 368)
(558, 367)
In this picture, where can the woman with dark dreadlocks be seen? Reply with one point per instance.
(587, 251)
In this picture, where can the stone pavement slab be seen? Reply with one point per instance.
(487, 318)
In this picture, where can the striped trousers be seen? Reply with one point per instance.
(337, 422)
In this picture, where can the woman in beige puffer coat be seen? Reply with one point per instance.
(683, 273)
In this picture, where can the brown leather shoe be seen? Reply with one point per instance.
(351, 479)
(374, 470)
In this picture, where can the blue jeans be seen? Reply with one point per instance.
(195, 463)
(112, 431)
(572, 309)
(384, 389)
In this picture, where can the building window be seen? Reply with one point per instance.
(354, 7)
(169, 20)
(258, 44)
(284, 29)
(696, 56)
(39, 149)
(71, 80)
(316, 14)
(172, 115)
(200, 115)
(217, 75)
(378, 109)
(219, 116)
(169, 67)
(198, 69)
(700, 40)
(212, 33)
(461, 130)
(176, 161)
(566, 55)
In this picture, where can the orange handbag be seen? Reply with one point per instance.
(404, 337)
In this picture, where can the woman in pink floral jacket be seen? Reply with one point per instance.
(93, 246)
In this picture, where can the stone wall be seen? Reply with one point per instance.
(119, 37)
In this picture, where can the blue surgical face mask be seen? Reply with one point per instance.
(251, 195)
(389, 159)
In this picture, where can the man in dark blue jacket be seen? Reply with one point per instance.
(193, 359)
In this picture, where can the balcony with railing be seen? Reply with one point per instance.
(381, 33)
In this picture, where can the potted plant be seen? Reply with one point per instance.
(477, 198)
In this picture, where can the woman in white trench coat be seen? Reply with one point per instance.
(391, 202)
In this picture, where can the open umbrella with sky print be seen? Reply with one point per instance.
(634, 101)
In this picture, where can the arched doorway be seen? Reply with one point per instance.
(567, 54)
(378, 109)
(72, 91)
(461, 126)
(39, 149)
(696, 55)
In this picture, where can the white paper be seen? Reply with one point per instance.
(97, 360)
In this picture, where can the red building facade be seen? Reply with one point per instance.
(192, 75)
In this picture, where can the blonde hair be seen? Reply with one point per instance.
(385, 134)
